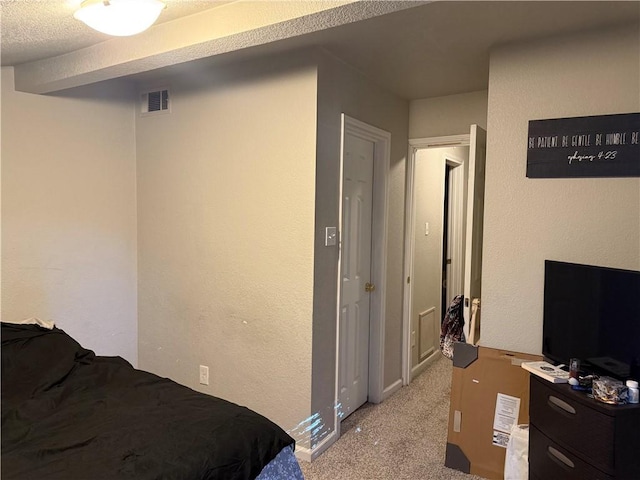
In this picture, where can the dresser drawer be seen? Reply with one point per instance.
(548, 460)
(588, 432)
(533, 476)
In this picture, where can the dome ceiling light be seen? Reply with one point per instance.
(120, 18)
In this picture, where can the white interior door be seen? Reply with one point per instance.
(475, 214)
(355, 272)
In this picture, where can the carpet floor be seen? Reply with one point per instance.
(403, 438)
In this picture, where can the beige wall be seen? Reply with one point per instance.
(592, 221)
(426, 290)
(229, 266)
(450, 115)
(226, 188)
(233, 269)
(69, 214)
(343, 90)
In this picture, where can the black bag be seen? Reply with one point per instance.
(452, 328)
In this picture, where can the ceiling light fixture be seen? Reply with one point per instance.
(120, 18)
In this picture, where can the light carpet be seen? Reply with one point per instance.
(402, 438)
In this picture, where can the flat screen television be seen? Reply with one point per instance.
(593, 314)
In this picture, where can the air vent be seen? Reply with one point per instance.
(156, 101)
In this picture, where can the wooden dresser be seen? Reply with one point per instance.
(572, 436)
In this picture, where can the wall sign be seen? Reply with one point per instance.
(599, 146)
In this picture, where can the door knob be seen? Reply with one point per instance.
(369, 287)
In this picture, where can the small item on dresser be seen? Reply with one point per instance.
(609, 390)
(578, 385)
(547, 371)
(583, 383)
(632, 385)
(574, 367)
(587, 380)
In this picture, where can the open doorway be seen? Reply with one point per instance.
(446, 258)
(437, 239)
(443, 239)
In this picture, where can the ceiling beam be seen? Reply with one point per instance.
(232, 27)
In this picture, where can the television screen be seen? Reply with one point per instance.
(593, 314)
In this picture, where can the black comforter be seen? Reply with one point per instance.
(69, 414)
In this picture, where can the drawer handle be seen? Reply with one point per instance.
(555, 401)
(559, 456)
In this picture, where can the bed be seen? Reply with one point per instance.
(69, 414)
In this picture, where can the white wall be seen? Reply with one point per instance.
(449, 115)
(226, 188)
(584, 220)
(69, 213)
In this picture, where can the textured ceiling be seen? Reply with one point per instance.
(428, 50)
(443, 48)
(36, 29)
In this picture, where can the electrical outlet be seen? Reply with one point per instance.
(204, 375)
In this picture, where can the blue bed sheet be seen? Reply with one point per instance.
(283, 467)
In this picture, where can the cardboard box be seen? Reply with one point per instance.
(489, 390)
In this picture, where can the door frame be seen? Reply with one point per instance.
(409, 234)
(379, 209)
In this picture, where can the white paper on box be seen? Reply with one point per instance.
(506, 416)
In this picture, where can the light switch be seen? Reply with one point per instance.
(330, 234)
(426, 229)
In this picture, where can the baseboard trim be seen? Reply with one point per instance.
(422, 366)
(391, 389)
(303, 454)
(310, 454)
